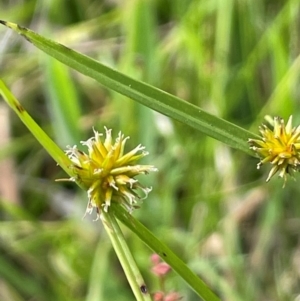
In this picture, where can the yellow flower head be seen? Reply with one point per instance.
(280, 147)
(107, 173)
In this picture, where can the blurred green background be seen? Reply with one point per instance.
(238, 59)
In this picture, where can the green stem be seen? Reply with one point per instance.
(120, 246)
(195, 282)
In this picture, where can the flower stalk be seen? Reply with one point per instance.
(126, 259)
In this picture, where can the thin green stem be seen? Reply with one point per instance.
(120, 246)
(195, 282)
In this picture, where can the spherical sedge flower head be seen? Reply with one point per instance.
(280, 147)
(107, 173)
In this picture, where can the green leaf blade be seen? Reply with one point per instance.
(48, 144)
(143, 93)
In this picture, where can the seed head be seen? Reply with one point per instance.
(107, 173)
(280, 147)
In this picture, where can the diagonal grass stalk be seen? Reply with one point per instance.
(48, 144)
(143, 93)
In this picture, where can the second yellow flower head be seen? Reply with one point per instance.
(280, 147)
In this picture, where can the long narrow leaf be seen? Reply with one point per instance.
(62, 103)
(57, 154)
(145, 94)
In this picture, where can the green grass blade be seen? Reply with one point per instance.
(20, 280)
(165, 253)
(63, 103)
(145, 94)
(56, 153)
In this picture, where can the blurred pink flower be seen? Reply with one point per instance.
(161, 269)
(158, 296)
(174, 296)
